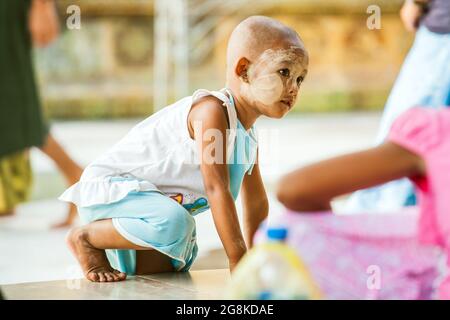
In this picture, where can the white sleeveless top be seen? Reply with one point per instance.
(158, 154)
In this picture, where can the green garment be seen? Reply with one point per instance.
(21, 120)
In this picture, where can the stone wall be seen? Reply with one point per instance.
(105, 68)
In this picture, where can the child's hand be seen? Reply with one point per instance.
(43, 22)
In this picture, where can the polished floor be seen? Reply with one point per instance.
(204, 285)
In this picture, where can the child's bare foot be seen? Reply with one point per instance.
(93, 261)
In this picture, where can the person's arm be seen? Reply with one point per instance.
(411, 13)
(43, 22)
(313, 187)
(215, 175)
(254, 203)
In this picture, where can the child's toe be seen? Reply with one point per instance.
(109, 277)
(120, 275)
(101, 277)
(115, 276)
(92, 276)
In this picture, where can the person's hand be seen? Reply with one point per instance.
(410, 15)
(43, 22)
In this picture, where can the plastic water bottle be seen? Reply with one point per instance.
(272, 271)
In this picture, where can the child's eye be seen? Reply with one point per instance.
(284, 72)
(299, 80)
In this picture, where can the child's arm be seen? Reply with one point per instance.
(313, 187)
(210, 114)
(254, 203)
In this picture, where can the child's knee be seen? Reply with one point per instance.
(76, 235)
(180, 219)
(179, 223)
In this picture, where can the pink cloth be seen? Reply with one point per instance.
(386, 256)
(364, 256)
(427, 132)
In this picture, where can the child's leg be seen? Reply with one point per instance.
(152, 261)
(88, 244)
(68, 168)
(156, 222)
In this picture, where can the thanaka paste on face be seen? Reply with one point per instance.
(269, 88)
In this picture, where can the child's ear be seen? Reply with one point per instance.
(242, 69)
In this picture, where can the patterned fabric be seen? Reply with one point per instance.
(15, 180)
(365, 256)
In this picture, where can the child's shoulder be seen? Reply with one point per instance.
(210, 110)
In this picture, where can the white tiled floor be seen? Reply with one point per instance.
(204, 284)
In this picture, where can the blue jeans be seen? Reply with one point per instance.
(423, 80)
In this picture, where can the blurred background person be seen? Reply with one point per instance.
(24, 23)
(424, 80)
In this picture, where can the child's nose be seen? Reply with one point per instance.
(293, 87)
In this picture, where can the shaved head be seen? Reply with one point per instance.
(256, 34)
(266, 64)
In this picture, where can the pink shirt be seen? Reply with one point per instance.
(426, 132)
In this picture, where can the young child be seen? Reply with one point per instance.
(138, 200)
(418, 147)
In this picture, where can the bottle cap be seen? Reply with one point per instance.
(277, 233)
(264, 295)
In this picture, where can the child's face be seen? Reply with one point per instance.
(274, 80)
